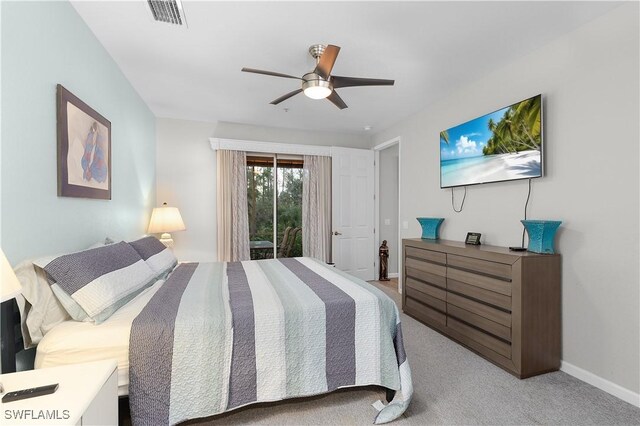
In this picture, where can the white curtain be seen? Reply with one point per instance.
(233, 220)
(316, 207)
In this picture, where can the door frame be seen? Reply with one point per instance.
(394, 141)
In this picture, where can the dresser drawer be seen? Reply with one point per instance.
(478, 321)
(424, 313)
(481, 281)
(485, 311)
(428, 277)
(439, 304)
(486, 267)
(425, 266)
(486, 340)
(487, 296)
(433, 291)
(428, 255)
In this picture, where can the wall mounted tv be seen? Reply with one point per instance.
(500, 146)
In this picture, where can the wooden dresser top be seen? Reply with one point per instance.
(482, 251)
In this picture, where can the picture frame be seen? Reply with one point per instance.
(473, 238)
(84, 149)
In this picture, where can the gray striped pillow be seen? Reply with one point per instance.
(99, 280)
(160, 259)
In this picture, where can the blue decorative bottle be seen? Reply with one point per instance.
(541, 235)
(430, 227)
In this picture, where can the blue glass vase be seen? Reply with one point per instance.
(430, 227)
(541, 235)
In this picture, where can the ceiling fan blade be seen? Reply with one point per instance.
(338, 82)
(285, 97)
(337, 100)
(271, 73)
(328, 58)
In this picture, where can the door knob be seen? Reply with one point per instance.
(337, 233)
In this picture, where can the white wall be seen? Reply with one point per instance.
(388, 202)
(589, 80)
(186, 178)
(43, 44)
(186, 172)
(226, 130)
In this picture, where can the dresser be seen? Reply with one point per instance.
(503, 305)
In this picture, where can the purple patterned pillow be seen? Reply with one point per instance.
(159, 258)
(99, 280)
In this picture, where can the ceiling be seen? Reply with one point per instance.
(429, 48)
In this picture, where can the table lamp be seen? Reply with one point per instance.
(164, 220)
(9, 285)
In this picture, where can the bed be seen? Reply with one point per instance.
(212, 337)
(75, 342)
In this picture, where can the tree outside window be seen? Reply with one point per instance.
(261, 182)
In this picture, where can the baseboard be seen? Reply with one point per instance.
(393, 275)
(618, 391)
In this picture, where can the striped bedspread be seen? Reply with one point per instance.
(218, 336)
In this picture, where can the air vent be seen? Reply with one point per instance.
(169, 11)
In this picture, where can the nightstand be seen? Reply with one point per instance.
(87, 395)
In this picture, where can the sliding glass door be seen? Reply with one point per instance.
(260, 190)
(289, 207)
(274, 197)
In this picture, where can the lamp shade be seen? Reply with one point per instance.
(165, 219)
(9, 284)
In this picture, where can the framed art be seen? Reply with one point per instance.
(473, 238)
(84, 149)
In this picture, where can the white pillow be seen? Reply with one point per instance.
(40, 310)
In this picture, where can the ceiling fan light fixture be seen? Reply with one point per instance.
(317, 92)
(315, 87)
(320, 83)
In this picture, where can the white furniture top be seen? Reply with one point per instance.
(79, 384)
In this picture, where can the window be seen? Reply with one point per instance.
(274, 197)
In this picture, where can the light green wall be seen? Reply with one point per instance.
(43, 44)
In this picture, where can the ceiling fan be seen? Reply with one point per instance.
(319, 83)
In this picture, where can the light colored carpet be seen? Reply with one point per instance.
(452, 385)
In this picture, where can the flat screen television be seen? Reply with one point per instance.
(501, 146)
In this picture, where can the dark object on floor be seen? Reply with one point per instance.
(384, 262)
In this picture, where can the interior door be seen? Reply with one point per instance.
(353, 211)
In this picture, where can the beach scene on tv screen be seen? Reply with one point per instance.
(503, 145)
